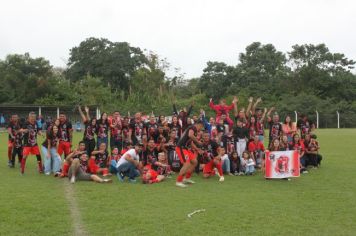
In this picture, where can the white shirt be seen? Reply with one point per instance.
(132, 153)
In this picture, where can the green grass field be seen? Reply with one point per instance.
(322, 202)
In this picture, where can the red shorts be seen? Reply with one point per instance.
(153, 174)
(209, 168)
(64, 147)
(186, 156)
(10, 144)
(93, 168)
(31, 150)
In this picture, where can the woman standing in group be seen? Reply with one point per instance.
(102, 130)
(52, 160)
(289, 128)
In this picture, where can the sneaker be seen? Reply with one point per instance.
(72, 179)
(57, 174)
(188, 181)
(221, 179)
(231, 174)
(120, 177)
(236, 173)
(180, 184)
(305, 172)
(107, 180)
(9, 163)
(241, 173)
(48, 173)
(132, 181)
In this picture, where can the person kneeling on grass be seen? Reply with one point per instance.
(129, 164)
(79, 171)
(209, 171)
(150, 176)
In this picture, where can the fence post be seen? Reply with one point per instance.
(296, 116)
(57, 112)
(338, 119)
(39, 111)
(317, 119)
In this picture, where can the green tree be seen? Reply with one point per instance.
(114, 62)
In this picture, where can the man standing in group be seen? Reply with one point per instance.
(65, 135)
(187, 150)
(30, 130)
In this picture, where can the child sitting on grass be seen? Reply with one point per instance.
(248, 163)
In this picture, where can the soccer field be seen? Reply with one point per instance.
(322, 202)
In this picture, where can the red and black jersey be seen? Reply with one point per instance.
(254, 147)
(102, 128)
(52, 138)
(297, 146)
(101, 159)
(65, 129)
(210, 151)
(13, 127)
(252, 129)
(260, 128)
(89, 131)
(84, 166)
(115, 157)
(18, 140)
(185, 141)
(151, 129)
(138, 130)
(177, 127)
(30, 137)
(275, 130)
(116, 129)
(312, 146)
(150, 157)
(304, 126)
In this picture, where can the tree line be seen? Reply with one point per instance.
(118, 76)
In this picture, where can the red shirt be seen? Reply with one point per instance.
(253, 147)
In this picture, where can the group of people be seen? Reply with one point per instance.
(156, 148)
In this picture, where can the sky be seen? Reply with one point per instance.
(188, 33)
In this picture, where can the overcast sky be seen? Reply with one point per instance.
(186, 32)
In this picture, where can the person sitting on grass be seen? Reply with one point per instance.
(98, 161)
(114, 158)
(79, 171)
(73, 155)
(235, 163)
(248, 163)
(129, 164)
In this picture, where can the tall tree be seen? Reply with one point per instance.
(113, 62)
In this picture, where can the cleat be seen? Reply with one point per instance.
(221, 179)
(188, 181)
(180, 184)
